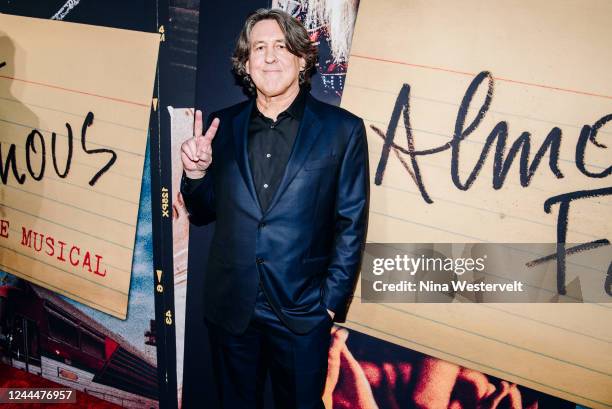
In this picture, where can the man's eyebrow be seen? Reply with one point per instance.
(278, 40)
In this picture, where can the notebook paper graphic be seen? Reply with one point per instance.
(75, 103)
(488, 123)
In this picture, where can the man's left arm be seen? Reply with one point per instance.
(352, 200)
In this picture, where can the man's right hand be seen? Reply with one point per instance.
(196, 152)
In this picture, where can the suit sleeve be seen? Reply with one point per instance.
(352, 200)
(199, 194)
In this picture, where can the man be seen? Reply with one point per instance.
(289, 193)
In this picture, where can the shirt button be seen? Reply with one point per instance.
(259, 260)
(265, 185)
(272, 126)
(268, 155)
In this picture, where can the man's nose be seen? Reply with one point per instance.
(270, 56)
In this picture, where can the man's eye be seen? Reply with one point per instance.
(282, 46)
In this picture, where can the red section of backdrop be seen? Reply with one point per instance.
(16, 378)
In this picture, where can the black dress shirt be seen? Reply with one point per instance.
(269, 146)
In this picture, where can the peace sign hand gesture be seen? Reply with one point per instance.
(196, 152)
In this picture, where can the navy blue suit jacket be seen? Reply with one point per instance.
(306, 248)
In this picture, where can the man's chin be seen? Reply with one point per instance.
(274, 90)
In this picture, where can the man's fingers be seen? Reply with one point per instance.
(190, 151)
(212, 130)
(204, 161)
(198, 124)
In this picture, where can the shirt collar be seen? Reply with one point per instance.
(295, 110)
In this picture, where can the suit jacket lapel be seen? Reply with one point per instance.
(310, 128)
(240, 129)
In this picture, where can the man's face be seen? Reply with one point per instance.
(273, 69)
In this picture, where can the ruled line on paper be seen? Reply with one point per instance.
(476, 362)
(103, 216)
(67, 227)
(495, 340)
(80, 116)
(140, 104)
(63, 291)
(508, 181)
(82, 277)
(429, 226)
(472, 74)
(66, 136)
(108, 172)
(492, 111)
(525, 317)
(478, 239)
(441, 199)
(463, 204)
(448, 136)
(88, 188)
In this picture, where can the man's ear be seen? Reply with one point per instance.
(246, 66)
(302, 63)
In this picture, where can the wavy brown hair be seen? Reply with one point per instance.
(296, 38)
